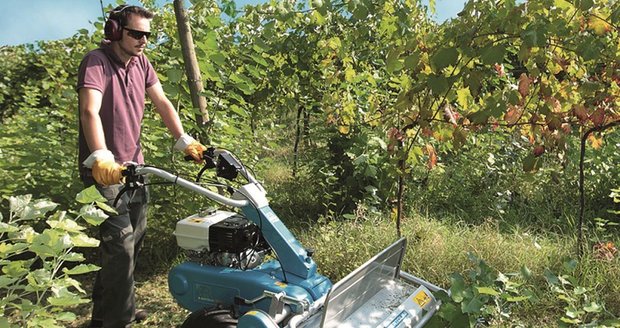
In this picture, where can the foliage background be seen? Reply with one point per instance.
(334, 103)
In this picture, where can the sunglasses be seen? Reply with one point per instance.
(137, 34)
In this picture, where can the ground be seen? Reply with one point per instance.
(151, 294)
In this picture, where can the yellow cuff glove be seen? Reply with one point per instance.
(107, 172)
(195, 150)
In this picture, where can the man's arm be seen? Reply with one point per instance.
(165, 109)
(184, 142)
(90, 104)
(105, 170)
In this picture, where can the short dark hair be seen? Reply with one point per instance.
(121, 13)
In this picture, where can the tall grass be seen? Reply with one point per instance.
(439, 247)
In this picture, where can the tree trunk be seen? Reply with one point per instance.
(192, 70)
(298, 132)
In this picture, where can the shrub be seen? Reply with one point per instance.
(37, 284)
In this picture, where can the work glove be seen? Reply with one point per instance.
(105, 170)
(190, 146)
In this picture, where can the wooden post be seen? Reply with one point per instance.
(192, 70)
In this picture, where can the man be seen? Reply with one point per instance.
(112, 83)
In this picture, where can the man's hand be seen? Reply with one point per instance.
(195, 150)
(107, 172)
(191, 147)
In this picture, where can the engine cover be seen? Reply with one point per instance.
(192, 233)
(234, 234)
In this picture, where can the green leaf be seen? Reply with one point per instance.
(92, 215)
(18, 203)
(89, 195)
(105, 207)
(37, 210)
(525, 272)
(73, 257)
(8, 249)
(81, 269)
(571, 321)
(611, 322)
(218, 58)
(534, 36)
(472, 306)
(360, 12)
(360, 159)
(39, 279)
(487, 291)
(453, 314)
(551, 278)
(493, 54)
(580, 290)
(531, 163)
(65, 316)
(260, 60)
(480, 117)
(16, 269)
(6, 281)
(570, 265)
(438, 84)
(573, 313)
(65, 301)
(445, 57)
(174, 75)
(66, 224)
(393, 62)
(82, 240)
(517, 298)
(585, 4)
(5, 227)
(411, 61)
(457, 287)
(593, 307)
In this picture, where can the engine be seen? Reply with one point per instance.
(221, 238)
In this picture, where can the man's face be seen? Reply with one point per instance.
(135, 35)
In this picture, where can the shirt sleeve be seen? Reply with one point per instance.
(150, 77)
(91, 73)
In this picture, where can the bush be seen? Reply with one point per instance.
(37, 284)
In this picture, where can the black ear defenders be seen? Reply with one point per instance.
(113, 29)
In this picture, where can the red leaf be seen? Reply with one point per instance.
(512, 115)
(432, 156)
(449, 114)
(581, 112)
(539, 150)
(604, 251)
(524, 85)
(499, 68)
(394, 134)
(598, 117)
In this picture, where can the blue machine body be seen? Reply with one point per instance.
(197, 286)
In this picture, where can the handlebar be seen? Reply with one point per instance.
(226, 165)
(142, 170)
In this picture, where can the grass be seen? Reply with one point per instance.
(438, 248)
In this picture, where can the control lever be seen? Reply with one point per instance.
(133, 181)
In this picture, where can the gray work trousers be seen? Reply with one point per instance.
(121, 237)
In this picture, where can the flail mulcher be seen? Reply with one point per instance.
(246, 269)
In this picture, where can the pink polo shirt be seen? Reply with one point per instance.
(122, 108)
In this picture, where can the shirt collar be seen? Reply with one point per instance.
(107, 49)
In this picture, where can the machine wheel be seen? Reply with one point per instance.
(210, 318)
